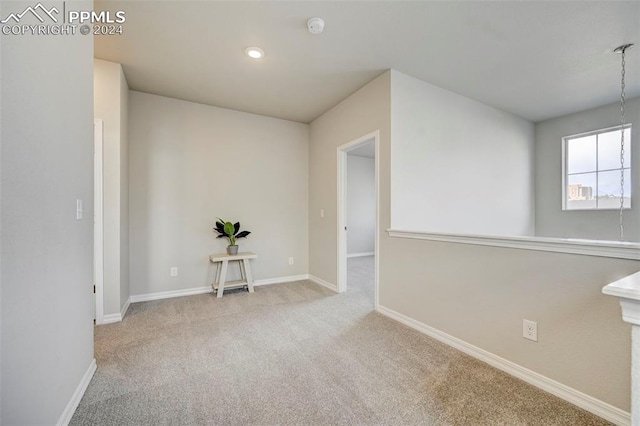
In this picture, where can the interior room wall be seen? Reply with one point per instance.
(361, 205)
(363, 112)
(458, 166)
(190, 163)
(111, 97)
(551, 221)
(46, 164)
(478, 294)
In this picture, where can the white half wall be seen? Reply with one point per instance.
(111, 98)
(46, 110)
(361, 204)
(481, 295)
(190, 163)
(457, 165)
(551, 221)
(478, 294)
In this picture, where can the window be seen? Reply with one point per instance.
(592, 170)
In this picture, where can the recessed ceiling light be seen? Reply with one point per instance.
(254, 52)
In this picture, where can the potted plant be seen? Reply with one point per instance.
(230, 231)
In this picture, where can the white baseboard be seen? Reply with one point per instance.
(323, 283)
(207, 289)
(582, 400)
(111, 318)
(170, 294)
(125, 308)
(366, 253)
(67, 414)
(280, 280)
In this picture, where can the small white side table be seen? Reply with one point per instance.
(222, 262)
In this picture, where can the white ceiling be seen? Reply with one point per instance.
(535, 59)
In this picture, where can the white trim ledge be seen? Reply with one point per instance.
(625, 288)
(615, 249)
(582, 400)
(67, 414)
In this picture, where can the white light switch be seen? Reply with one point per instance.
(79, 210)
(321, 212)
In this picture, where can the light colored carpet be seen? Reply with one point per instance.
(297, 354)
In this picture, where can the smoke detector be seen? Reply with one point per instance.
(315, 25)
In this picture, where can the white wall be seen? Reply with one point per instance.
(111, 99)
(361, 204)
(475, 293)
(46, 164)
(458, 166)
(190, 163)
(551, 221)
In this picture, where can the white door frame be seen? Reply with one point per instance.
(98, 219)
(342, 209)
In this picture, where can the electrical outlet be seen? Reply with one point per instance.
(530, 330)
(291, 261)
(174, 271)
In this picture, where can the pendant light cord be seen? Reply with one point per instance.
(622, 148)
(622, 50)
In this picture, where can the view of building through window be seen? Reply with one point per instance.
(592, 178)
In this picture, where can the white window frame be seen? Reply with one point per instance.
(565, 167)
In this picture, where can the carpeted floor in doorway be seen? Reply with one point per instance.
(297, 354)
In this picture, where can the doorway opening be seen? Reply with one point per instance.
(358, 209)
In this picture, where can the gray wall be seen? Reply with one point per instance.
(110, 105)
(457, 165)
(475, 293)
(361, 204)
(551, 221)
(190, 163)
(124, 190)
(47, 266)
(363, 112)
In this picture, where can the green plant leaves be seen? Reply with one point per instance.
(229, 230)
